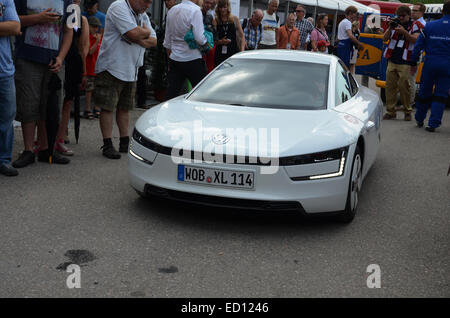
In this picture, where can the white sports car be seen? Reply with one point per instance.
(271, 130)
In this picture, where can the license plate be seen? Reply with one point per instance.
(216, 177)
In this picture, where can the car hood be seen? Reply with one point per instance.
(198, 126)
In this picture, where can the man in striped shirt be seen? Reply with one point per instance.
(253, 30)
(303, 25)
(401, 39)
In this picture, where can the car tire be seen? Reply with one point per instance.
(383, 95)
(354, 187)
(142, 194)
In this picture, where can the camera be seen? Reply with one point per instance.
(394, 22)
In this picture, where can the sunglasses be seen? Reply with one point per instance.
(402, 16)
(300, 11)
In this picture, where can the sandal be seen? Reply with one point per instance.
(88, 115)
(96, 113)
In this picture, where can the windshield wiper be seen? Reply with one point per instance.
(236, 104)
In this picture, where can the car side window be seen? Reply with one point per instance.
(343, 87)
(353, 84)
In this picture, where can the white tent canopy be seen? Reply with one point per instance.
(340, 5)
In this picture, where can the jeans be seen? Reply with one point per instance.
(7, 115)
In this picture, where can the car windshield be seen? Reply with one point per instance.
(264, 83)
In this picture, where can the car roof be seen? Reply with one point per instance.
(288, 55)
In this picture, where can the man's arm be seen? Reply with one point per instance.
(40, 18)
(126, 25)
(412, 38)
(419, 46)
(9, 28)
(151, 41)
(10, 25)
(354, 40)
(387, 34)
(65, 46)
(138, 34)
(197, 28)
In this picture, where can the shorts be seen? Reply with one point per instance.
(111, 93)
(31, 80)
(90, 83)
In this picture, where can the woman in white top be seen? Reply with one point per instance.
(345, 36)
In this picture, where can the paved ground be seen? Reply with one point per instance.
(86, 213)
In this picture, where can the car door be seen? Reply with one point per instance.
(371, 130)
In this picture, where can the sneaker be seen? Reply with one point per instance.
(8, 170)
(63, 149)
(430, 129)
(408, 117)
(419, 124)
(44, 156)
(25, 158)
(389, 116)
(110, 152)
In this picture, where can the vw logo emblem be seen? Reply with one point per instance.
(220, 139)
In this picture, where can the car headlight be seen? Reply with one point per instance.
(150, 144)
(318, 158)
(139, 150)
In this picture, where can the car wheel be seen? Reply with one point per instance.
(353, 189)
(142, 194)
(383, 95)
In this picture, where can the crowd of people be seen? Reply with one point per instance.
(104, 54)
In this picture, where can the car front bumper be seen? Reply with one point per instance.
(159, 175)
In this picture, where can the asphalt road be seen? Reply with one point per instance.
(86, 213)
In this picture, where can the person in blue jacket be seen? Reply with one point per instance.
(435, 41)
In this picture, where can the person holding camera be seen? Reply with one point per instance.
(401, 36)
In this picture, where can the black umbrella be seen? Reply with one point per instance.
(76, 115)
(52, 116)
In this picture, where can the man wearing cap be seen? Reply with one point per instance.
(128, 33)
(304, 26)
(91, 7)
